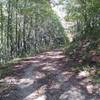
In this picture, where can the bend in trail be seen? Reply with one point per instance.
(47, 77)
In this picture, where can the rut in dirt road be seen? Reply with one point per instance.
(48, 77)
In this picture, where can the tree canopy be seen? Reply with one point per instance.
(28, 27)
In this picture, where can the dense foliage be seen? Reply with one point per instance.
(84, 50)
(27, 27)
(86, 14)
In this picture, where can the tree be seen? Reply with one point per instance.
(86, 14)
(28, 27)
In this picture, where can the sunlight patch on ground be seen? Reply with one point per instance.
(41, 56)
(89, 86)
(38, 75)
(53, 53)
(19, 66)
(31, 61)
(42, 97)
(83, 74)
(49, 67)
(38, 94)
(25, 82)
(72, 94)
(10, 80)
(59, 56)
(84, 82)
(67, 73)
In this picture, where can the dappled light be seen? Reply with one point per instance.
(45, 79)
(37, 95)
(49, 50)
(41, 97)
(73, 93)
(48, 68)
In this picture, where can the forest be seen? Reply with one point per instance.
(44, 56)
(27, 27)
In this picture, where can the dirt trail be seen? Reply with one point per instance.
(48, 77)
